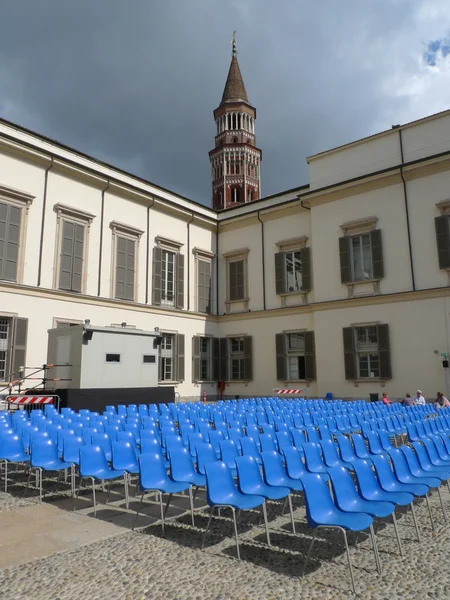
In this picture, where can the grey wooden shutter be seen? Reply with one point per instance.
(130, 262)
(377, 254)
(120, 267)
(19, 344)
(10, 217)
(384, 351)
(280, 273)
(232, 267)
(196, 358)
(180, 281)
(157, 276)
(443, 240)
(125, 268)
(305, 254)
(280, 348)
(223, 369)
(180, 357)
(215, 359)
(78, 255)
(344, 257)
(66, 258)
(349, 352)
(248, 358)
(310, 355)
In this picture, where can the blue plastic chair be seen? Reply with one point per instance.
(294, 464)
(228, 453)
(268, 443)
(12, 450)
(222, 493)
(44, 457)
(331, 457)
(436, 451)
(71, 454)
(314, 462)
(321, 512)
(360, 447)
(205, 455)
(249, 447)
(346, 449)
(373, 441)
(125, 458)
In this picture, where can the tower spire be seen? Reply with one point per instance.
(233, 43)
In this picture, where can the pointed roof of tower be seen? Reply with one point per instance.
(234, 90)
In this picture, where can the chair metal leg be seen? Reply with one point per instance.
(75, 496)
(195, 493)
(349, 559)
(236, 534)
(162, 511)
(264, 510)
(444, 512)
(109, 490)
(284, 505)
(137, 512)
(39, 472)
(415, 521)
(72, 479)
(125, 485)
(429, 511)
(400, 547)
(6, 476)
(191, 502)
(167, 504)
(292, 513)
(207, 527)
(375, 549)
(93, 494)
(309, 552)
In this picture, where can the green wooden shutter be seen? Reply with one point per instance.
(157, 276)
(310, 355)
(280, 273)
(180, 357)
(180, 281)
(248, 358)
(443, 240)
(280, 348)
(223, 369)
(349, 352)
(384, 351)
(377, 254)
(215, 359)
(10, 217)
(19, 344)
(196, 358)
(344, 257)
(306, 269)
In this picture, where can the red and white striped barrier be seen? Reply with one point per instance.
(290, 392)
(30, 399)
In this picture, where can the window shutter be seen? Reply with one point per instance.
(377, 254)
(19, 344)
(120, 267)
(306, 269)
(310, 355)
(215, 359)
(65, 269)
(248, 358)
(443, 240)
(180, 281)
(196, 358)
(156, 276)
(384, 351)
(344, 257)
(223, 370)
(9, 240)
(180, 357)
(78, 251)
(280, 275)
(280, 346)
(349, 352)
(130, 262)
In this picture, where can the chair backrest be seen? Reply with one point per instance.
(92, 460)
(313, 459)
(385, 441)
(205, 454)
(228, 451)
(181, 465)
(71, 449)
(220, 488)
(411, 458)
(267, 442)
(249, 447)
(284, 439)
(330, 454)
(152, 473)
(312, 435)
(43, 451)
(345, 448)
(294, 464)
(365, 476)
(124, 455)
(374, 442)
(11, 446)
(249, 475)
(318, 501)
(273, 469)
(360, 446)
(344, 490)
(150, 445)
(399, 463)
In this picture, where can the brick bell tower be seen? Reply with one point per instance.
(235, 160)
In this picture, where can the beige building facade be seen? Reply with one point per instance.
(341, 285)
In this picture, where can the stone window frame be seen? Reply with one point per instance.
(234, 256)
(293, 245)
(170, 245)
(22, 200)
(74, 215)
(132, 233)
(206, 256)
(63, 320)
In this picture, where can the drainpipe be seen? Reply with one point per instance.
(263, 262)
(147, 253)
(405, 197)
(217, 270)
(100, 254)
(189, 262)
(44, 206)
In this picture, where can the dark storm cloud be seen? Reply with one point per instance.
(135, 83)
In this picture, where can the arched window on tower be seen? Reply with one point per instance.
(239, 121)
(235, 140)
(220, 199)
(250, 196)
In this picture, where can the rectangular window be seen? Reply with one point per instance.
(237, 356)
(149, 359)
(5, 340)
(295, 356)
(361, 257)
(205, 359)
(168, 278)
(367, 358)
(113, 358)
(293, 267)
(236, 280)
(10, 218)
(72, 256)
(125, 267)
(166, 361)
(204, 286)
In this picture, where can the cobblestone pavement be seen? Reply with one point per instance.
(142, 565)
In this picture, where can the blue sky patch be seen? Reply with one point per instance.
(434, 47)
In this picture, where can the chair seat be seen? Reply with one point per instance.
(400, 498)
(129, 467)
(194, 479)
(241, 501)
(170, 487)
(103, 474)
(271, 492)
(375, 509)
(17, 458)
(52, 466)
(353, 521)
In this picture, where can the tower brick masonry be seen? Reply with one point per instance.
(235, 160)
